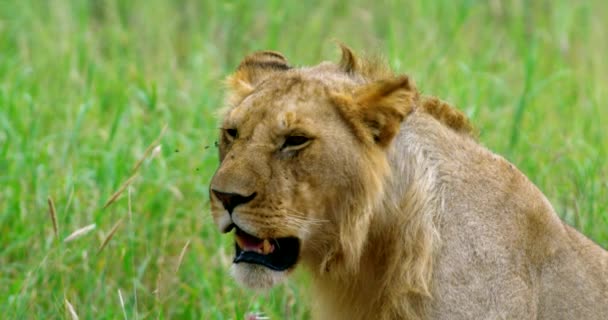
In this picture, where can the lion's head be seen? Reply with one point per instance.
(303, 161)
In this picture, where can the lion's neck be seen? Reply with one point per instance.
(395, 269)
(380, 289)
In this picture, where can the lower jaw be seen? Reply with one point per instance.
(257, 277)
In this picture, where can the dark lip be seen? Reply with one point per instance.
(285, 255)
(229, 228)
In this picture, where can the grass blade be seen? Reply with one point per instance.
(71, 310)
(122, 304)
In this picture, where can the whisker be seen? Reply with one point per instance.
(282, 214)
(302, 216)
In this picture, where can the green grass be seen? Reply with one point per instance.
(86, 86)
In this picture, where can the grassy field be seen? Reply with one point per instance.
(87, 86)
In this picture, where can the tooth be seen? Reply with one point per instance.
(266, 247)
(239, 242)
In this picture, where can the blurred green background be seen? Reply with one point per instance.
(86, 86)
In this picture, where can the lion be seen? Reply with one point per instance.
(388, 200)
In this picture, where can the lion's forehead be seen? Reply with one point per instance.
(287, 120)
(274, 108)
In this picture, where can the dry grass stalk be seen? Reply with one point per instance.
(71, 310)
(79, 233)
(157, 290)
(181, 255)
(53, 215)
(156, 151)
(109, 236)
(129, 205)
(152, 147)
(120, 190)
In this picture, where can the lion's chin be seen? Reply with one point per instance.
(255, 276)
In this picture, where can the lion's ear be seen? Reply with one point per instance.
(349, 63)
(376, 110)
(251, 71)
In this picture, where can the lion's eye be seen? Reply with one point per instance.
(295, 142)
(231, 134)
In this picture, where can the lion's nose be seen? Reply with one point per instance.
(231, 200)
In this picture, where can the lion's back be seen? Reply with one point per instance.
(503, 252)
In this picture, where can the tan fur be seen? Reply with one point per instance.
(400, 212)
(447, 114)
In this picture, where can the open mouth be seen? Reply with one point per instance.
(276, 254)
